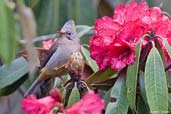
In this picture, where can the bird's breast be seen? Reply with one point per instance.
(62, 54)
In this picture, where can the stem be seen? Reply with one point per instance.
(85, 85)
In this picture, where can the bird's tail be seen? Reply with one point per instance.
(41, 82)
(33, 88)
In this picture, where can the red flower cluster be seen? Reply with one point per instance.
(32, 105)
(89, 104)
(115, 38)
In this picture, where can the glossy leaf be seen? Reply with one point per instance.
(13, 75)
(155, 83)
(101, 75)
(8, 36)
(106, 97)
(74, 96)
(131, 78)
(88, 59)
(82, 29)
(120, 106)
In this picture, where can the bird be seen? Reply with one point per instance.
(76, 65)
(55, 64)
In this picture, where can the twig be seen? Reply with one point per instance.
(41, 38)
(21, 90)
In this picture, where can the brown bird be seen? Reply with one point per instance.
(58, 57)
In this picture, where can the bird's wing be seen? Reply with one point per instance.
(59, 57)
(34, 88)
(50, 53)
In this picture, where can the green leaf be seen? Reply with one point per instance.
(73, 9)
(83, 29)
(33, 3)
(13, 75)
(142, 87)
(74, 96)
(101, 75)
(8, 36)
(161, 52)
(88, 59)
(104, 85)
(106, 97)
(88, 12)
(169, 80)
(155, 83)
(131, 78)
(81, 11)
(47, 15)
(168, 47)
(169, 97)
(142, 108)
(120, 106)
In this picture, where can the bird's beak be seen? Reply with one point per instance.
(61, 33)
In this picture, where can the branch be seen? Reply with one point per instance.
(41, 38)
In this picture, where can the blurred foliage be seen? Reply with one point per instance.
(11, 77)
(51, 15)
(8, 32)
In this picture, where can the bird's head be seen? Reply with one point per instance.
(69, 30)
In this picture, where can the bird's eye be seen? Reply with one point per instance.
(68, 36)
(69, 33)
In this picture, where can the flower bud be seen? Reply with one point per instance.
(56, 94)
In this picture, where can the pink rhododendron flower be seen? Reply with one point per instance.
(56, 94)
(121, 54)
(89, 104)
(128, 24)
(32, 105)
(130, 12)
(106, 29)
(47, 44)
(132, 31)
(100, 50)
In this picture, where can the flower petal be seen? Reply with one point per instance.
(31, 105)
(89, 104)
(121, 54)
